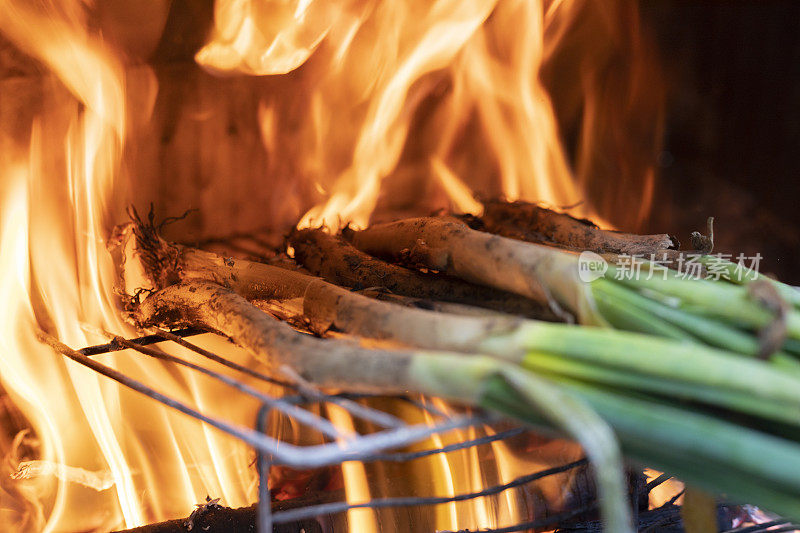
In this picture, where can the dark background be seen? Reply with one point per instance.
(732, 133)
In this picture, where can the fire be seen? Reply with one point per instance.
(402, 96)
(57, 212)
(61, 194)
(381, 107)
(356, 485)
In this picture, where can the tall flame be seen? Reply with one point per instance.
(61, 192)
(449, 90)
(55, 233)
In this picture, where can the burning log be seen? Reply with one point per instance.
(530, 222)
(225, 520)
(220, 519)
(337, 261)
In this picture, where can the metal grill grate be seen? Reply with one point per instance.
(378, 446)
(382, 445)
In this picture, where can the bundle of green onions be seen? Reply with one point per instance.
(689, 396)
(639, 295)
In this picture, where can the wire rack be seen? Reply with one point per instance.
(382, 445)
(385, 444)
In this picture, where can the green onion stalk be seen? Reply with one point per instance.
(342, 364)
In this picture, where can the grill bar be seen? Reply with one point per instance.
(384, 445)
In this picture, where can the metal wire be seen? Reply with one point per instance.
(378, 503)
(383, 445)
(281, 452)
(142, 341)
(773, 526)
(264, 507)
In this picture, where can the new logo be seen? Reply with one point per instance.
(591, 266)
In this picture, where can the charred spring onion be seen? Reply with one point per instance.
(715, 416)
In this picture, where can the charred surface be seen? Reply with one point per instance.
(530, 222)
(324, 362)
(337, 261)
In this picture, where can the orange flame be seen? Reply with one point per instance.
(57, 245)
(449, 90)
(60, 195)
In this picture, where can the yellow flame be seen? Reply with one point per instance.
(266, 37)
(21, 362)
(72, 275)
(356, 486)
(61, 192)
(467, 71)
(460, 194)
